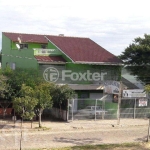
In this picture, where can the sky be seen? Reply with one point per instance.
(113, 24)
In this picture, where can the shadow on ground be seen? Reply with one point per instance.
(74, 141)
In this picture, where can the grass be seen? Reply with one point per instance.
(125, 146)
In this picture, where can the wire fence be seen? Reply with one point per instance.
(83, 109)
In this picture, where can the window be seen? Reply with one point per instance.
(26, 46)
(6, 64)
(13, 66)
(23, 46)
(84, 95)
(43, 46)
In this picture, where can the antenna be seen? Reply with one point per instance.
(19, 39)
(18, 46)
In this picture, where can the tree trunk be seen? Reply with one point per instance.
(4, 112)
(31, 123)
(40, 113)
(60, 114)
(21, 134)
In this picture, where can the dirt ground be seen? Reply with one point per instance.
(74, 133)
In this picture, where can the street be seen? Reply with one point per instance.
(76, 136)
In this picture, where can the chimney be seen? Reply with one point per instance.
(61, 34)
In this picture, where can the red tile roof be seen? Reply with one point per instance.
(30, 38)
(83, 49)
(50, 59)
(78, 49)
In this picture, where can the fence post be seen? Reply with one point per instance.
(134, 108)
(95, 108)
(67, 111)
(148, 131)
(103, 108)
(119, 102)
(72, 108)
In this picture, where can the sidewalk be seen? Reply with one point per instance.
(56, 126)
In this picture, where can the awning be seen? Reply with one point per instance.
(50, 59)
(86, 87)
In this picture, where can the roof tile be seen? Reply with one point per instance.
(78, 49)
(50, 59)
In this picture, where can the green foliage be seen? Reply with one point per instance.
(15, 79)
(26, 103)
(137, 57)
(60, 95)
(28, 115)
(5, 90)
(137, 53)
(0, 56)
(147, 88)
(6, 72)
(122, 146)
(42, 94)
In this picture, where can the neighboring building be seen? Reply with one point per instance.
(131, 81)
(80, 62)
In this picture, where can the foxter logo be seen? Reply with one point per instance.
(86, 76)
(51, 74)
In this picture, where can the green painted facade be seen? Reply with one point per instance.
(24, 58)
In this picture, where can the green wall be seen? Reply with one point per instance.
(70, 73)
(30, 45)
(23, 58)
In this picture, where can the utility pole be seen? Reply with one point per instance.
(119, 103)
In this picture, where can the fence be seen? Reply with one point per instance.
(83, 109)
(60, 114)
(5, 113)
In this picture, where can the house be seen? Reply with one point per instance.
(79, 62)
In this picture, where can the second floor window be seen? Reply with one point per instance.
(43, 46)
(23, 46)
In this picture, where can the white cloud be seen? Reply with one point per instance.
(112, 24)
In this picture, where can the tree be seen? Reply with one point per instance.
(29, 77)
(0, 57)
(61, 95)
(137, 58)
(42, 94)
(4, 94)
(3, 86)
(26, 103)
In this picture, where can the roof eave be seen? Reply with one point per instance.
(41, 62)
(99, 63)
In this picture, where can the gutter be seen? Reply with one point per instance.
(98, 63)
(41, 62)
(58, 48)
